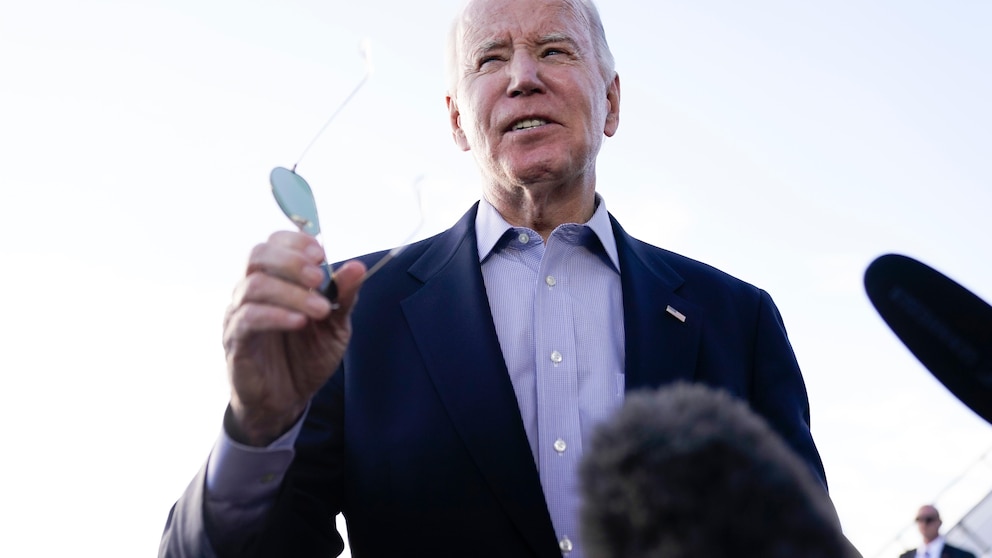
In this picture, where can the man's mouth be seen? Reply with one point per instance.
(528, 124)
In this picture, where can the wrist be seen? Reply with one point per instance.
(258, 428)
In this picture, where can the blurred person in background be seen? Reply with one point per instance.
(933, 545)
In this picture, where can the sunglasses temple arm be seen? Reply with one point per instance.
(334, 115)
(330, 288)
(382, 261)
(396, 251)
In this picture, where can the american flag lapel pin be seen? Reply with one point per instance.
(678, 315)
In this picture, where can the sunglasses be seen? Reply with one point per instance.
(926, 519)
(296, 199)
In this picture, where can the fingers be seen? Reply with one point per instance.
(279, 291)
(282, 272)
(292, 256)
(267, 290)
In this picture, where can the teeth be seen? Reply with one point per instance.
(531, 123)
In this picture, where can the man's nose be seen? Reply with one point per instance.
(525, 75)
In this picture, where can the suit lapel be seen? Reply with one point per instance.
(453, 327)
(662, 329)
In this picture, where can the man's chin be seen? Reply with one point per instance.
(538, 168)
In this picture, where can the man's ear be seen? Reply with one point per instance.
(613, 108)
(457, 133)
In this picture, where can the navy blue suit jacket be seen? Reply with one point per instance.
(948, 552)
(418, 440)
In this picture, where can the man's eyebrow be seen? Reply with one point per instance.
(557, 38)
(489, 46)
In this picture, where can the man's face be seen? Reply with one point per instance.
(531, 101)
(928, 522)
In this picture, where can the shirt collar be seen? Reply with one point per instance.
(490, 227)
(935, 547)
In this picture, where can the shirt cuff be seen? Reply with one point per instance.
(242, 474)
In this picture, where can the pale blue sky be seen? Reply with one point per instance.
(787, 144)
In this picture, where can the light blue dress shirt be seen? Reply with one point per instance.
(558, 311)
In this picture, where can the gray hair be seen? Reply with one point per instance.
(584, 8)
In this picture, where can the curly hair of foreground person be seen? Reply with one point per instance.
(689, 471)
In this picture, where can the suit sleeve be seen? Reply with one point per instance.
(778, 392)
(229, 499)
(235, 500)
(302, 521)
(185, 535)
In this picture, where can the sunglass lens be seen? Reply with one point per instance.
(295, 198)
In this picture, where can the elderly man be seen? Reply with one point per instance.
(445, 413)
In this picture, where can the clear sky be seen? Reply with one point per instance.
(786, 143)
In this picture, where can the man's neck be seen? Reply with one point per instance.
(543, 209)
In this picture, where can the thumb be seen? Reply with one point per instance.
(349, 280)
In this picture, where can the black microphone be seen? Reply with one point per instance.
(946, 326)
(691, 471)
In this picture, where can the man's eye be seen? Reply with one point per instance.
(553, 51)
(487, 59)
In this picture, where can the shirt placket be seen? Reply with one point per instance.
(559, 430)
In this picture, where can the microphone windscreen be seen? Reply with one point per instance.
(946, 326)
(688, 470)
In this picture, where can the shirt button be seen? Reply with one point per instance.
(556, 357)
(523, 238)
(560, 445)
(565, 544)
(550, 280)
(267, 478)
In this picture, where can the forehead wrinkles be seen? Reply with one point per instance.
(491, 28)
(490, 45)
